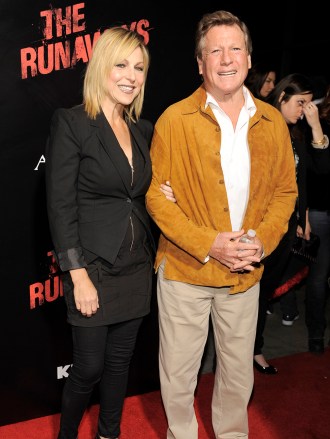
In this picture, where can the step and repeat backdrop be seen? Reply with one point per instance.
(44, 49)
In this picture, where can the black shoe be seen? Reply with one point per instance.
(316, 346)
(268, 370)
(270, 309)
(288, 320)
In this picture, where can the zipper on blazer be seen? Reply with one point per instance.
(132, 228)
(130, 218)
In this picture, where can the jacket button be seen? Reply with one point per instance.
(225, 209)
(221, 181)
(128, 200)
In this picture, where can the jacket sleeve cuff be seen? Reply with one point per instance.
(71, 259)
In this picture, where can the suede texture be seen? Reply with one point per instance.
(186, 151)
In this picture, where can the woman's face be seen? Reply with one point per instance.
(293, 109)
(268, 85)
(126, 79)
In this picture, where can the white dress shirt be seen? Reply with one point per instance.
(235, 156)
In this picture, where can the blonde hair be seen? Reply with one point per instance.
(219, 18)
(112, 47)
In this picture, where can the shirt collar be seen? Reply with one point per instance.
(249, 102)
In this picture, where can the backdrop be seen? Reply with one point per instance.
(44, 48)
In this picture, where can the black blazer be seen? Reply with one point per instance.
(88, 186)
(310, 160)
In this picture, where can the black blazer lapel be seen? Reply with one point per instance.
(141, 141)
(111, 146)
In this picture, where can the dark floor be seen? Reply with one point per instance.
(279, 340)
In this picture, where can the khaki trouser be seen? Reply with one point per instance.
(184, 311)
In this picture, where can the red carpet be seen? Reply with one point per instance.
(294, 404)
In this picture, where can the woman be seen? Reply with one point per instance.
(318, 190)
(261, 80)
(292, 96)
(98, 171)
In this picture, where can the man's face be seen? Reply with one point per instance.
(225, 61)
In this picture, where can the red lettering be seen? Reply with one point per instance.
(133, 25)
(48, 29)
(140, 29)
(62, 55)
(28, 60)
(53, 267)
(63, 21)
(88, 43)
(79, 51)
(53, 290)
(71, 22)
(57, 55)
(44, 67)
(36, 295)
(76, 17)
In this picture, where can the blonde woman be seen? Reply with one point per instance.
(98, 171)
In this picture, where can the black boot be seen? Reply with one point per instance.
(98, 437)
(316, 346)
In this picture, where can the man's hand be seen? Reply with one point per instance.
(237, 256)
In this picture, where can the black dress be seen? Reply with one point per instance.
(128, 280)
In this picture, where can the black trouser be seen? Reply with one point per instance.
(275, 265)
(100, 355)
(317, 291)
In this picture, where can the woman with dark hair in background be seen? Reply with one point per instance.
(292, 96)
(318, 190)
(261, 79)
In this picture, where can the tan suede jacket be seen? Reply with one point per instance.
(185, 151)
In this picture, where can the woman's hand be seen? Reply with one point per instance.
(168, 191)
(85, 293)
(311, 113)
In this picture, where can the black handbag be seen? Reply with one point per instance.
(306, 250)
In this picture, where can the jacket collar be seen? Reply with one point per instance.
(196, 102)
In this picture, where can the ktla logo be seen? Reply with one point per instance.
(63, 371)
(49, 290)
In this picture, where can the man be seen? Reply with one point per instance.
(230, 162)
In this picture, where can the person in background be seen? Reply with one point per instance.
(261, 79)
(318, 191)
(98, 170)
(230, 163)
(292, 96)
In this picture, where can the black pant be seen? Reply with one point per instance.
(100, 355)
(275, 265)
(317, 291)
